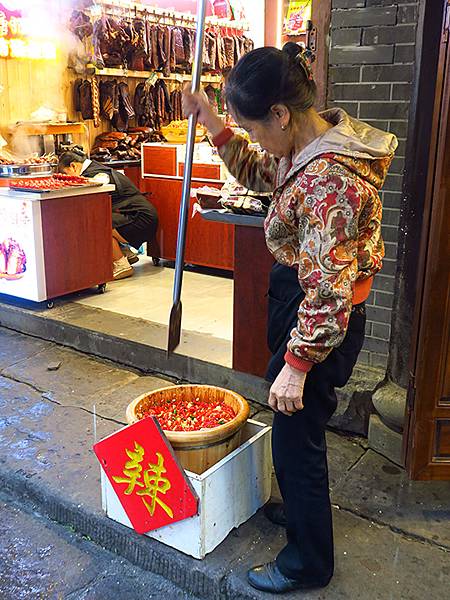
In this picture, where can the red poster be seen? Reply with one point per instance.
(146, 476)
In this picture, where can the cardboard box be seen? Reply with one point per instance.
(230, 492)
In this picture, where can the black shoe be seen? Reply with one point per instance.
(269, 578)
(274, 511)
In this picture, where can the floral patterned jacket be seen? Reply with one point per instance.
(325, 219)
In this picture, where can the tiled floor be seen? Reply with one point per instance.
(207, 300)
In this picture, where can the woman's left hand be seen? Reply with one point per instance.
(286, 393)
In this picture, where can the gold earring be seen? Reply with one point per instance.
(283, 127)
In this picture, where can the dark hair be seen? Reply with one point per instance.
(268, 76)
(74, 155)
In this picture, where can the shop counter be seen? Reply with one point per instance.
(252, 264)
(54, 243)
(207, 244)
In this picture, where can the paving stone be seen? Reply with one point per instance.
(342, 454)
(45, 455)
(40, 559)
(15, 347)
(385, 441)
(379, 490)
(78, 376)
(372, 563)
(113, 404)
(28, 568)
(50, 442)
(264, 416)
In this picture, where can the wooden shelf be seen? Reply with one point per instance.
(180, 77)
(49, 128)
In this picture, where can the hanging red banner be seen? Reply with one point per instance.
(146, 476)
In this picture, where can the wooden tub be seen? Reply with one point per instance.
(198, 450)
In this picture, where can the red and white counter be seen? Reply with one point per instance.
(54, 243)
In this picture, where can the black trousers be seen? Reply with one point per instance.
(298, 442)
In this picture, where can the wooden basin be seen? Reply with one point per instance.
(198, 450)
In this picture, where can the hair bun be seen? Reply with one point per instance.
(292, 49)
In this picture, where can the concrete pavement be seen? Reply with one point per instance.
(392, 535)
(42, 560)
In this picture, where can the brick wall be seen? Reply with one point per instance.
(371, 71)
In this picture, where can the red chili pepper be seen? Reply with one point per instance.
(188, 415)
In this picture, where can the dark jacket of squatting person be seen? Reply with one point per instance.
(134, 219)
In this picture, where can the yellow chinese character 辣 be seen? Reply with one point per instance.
(3, 24)
(132, 469)
(4, 47)
(153, 482)
(19, 48)
(156, 484)
(15, 26)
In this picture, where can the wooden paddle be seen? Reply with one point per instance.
(176, 312)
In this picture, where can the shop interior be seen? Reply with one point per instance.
(101, 78)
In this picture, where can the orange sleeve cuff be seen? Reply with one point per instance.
(298, 363)
(223, 137)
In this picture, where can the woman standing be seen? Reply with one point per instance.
(324, 230)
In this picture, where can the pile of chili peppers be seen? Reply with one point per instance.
(188, 415)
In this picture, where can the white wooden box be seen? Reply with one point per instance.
(229, 492)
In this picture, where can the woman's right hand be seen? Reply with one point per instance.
(197, 104)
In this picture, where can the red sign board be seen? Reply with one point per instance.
(146, 476)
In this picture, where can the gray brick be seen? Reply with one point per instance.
(381, 331)
(376, 345)
(384, 282)
(344, 74)
(392, 199)
(379, 360)
(380, 2)
(406, 53)
(362, 55)
(383, 73)
(350, 107)
(390, 249)
(387, 2)
(364, 17)
(383, 125)
(361, 91)
(380, 315)
(401, 148)
(389, 267)
(399, 128)
(368, 328)
(390, 233)
(391, 216)
(371, 299)
(346, 37)
(401, 91)
(398, 166)
(389, 35)
(349, 3)
(364, 357)
(394, 183)
(408, 14)
(384, 299)
(383, 110)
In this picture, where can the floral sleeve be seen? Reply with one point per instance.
(328, 210)
(254, 170)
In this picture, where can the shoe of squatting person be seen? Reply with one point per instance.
(122, 269)
(274, 511)
(269, 578)
(131, 256)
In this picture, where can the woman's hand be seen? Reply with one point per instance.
(286, 393)
(198, 104)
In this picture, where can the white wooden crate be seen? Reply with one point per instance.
(230, 492)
